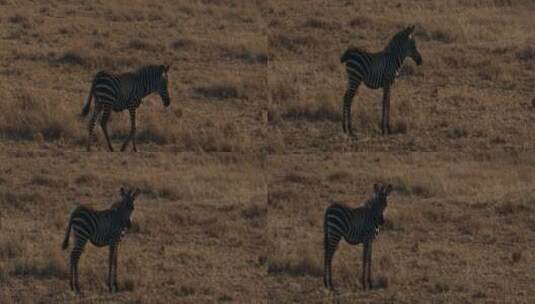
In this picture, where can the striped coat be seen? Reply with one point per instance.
(101, 228)
(119, 92)
(356, 226)
(377, 70)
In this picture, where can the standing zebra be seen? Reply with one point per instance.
(121, 92)
(377, 70)
(355, 225)
(102, 228)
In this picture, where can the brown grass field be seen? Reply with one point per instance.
(236, 174)
(50, 52)
(198, 233)
(460, 228)
(474, 90)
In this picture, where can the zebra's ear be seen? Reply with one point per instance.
(136, 193)
(389, 188)
(376, 187)
(410, 30)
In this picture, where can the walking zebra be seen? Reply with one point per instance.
(355, 225)
(102, 228)
(377, 70)
(121, 92)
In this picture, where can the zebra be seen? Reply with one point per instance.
(101, 228)
(355, 225)
(119, 92)
(377, 70)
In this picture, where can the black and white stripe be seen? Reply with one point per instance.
(377, 70)
(101, 228)
(121, 92)
(355, 225)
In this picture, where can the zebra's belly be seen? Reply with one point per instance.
(354, 241)
(380, 81)
(99, 243)
(106, 240)
(361, 238)
(372, 85)
(118, 108)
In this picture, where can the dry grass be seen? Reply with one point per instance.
(458, 226)
(197, 232)
(47, 64)
(473, 91)
(262, 78)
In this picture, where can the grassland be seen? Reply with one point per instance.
(459, 227)
(198, 233)
(474, 90)
(263, 81)
(50, 51)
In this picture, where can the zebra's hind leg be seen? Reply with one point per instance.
(132, 135)
(91, 125)
(104, 125)
(75, 258)
(330, 250)
(385, 125)
(112, 269)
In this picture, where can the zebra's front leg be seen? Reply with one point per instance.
(385, 124)
(104, 126)
(346, 115)
(132, 135)
(115, 284)
(110, 268)
(71, 272)
(91, 125)
(370, 265)
(364, 264)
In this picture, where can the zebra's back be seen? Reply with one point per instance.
(371, 68)
(95, 225)
(118, 90)
(352, 224)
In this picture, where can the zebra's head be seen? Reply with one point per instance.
(125, 207)
(379, 201)
(412, 51)
(163, 91)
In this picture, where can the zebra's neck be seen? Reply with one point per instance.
(371, 212)
(396, 51)
(149, 81)
(396, 59)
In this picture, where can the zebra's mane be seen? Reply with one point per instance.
(398, 38)
(356, 49)
(152, 68)
(116, 205)
(370, 202)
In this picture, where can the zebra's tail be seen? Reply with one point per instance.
(87, 103)
(67, 234)
(325, 234)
